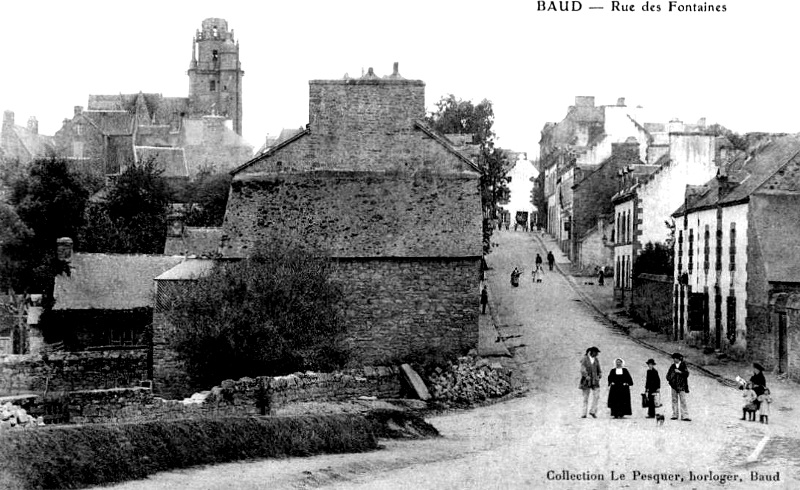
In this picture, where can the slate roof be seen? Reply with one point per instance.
(193, 130)
(171, 160)
(111, 123)
(110, 281)
(37, 145)
(194, 241)
(752, 174)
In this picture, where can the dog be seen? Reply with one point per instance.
(659, 419)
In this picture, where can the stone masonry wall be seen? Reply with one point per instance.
(398, 309)
(247, 396)
(70, 371)
(358, 214)
(651, 302)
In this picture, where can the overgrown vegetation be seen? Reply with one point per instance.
(277, 312)
(79, 456)
(655, 258)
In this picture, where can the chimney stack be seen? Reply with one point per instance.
(8, 118)
(621, 102)
(78, 110)
(64, 249)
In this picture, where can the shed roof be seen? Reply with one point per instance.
(110, 281)
(194, 241)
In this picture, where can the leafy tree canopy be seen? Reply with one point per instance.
(655, 258)
(132, 217)
(50, 200)
(278, 312)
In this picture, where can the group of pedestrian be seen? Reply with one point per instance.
(620, 381)
(757, 397)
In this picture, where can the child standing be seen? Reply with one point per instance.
(763, 408)
(652, 386)
(749, 402)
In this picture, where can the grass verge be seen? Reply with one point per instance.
(80, 456)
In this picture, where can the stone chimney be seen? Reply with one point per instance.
(676, 126)
(8, 118)
(33, 125)
(370, 104)
(175, 222)
(584, 101)
(701, 122)
(621, 102)
(64, 249)
(724, 185)
(78, 110)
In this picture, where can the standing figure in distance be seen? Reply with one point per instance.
(550, 260)
(677, 377)
(484, 300)
(619, 391)
(590, 380)
(652, 386)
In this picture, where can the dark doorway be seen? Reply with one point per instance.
(783, 344)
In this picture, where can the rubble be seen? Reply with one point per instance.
(14, 417)
(468, 381)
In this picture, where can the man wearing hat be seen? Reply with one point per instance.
(590, 380)
(677, 377)
(652, 385)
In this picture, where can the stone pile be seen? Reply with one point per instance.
(468, 381)
(14, 417)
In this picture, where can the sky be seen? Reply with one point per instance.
(734, 67)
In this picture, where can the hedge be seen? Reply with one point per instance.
(79, 456)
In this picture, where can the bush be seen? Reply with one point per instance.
(275, 313)
(78, 456)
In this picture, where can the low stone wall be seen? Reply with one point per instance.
(651, 302)
(247, 396)
(72, 371)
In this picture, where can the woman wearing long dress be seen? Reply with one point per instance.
(619, 392)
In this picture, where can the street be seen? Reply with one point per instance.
(540, 440)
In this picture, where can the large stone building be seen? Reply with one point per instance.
(182, 134)
(394, 203)
(737, 286)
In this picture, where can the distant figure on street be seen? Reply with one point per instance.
(515, 277)
(484, 300)
(619, 391)
(652, 387)
(590, 380)
(677, 377)
(601, 277)
(550, 260)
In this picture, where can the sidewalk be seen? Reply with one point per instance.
(600, 298)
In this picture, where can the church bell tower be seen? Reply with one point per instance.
(215, 73)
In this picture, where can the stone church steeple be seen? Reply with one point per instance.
(215, 73)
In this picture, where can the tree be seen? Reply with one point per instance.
(456, 116)
(50, 200)
(14, 237)
(207, 197)
(655, 258)
(278, 312)
(132, 218)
